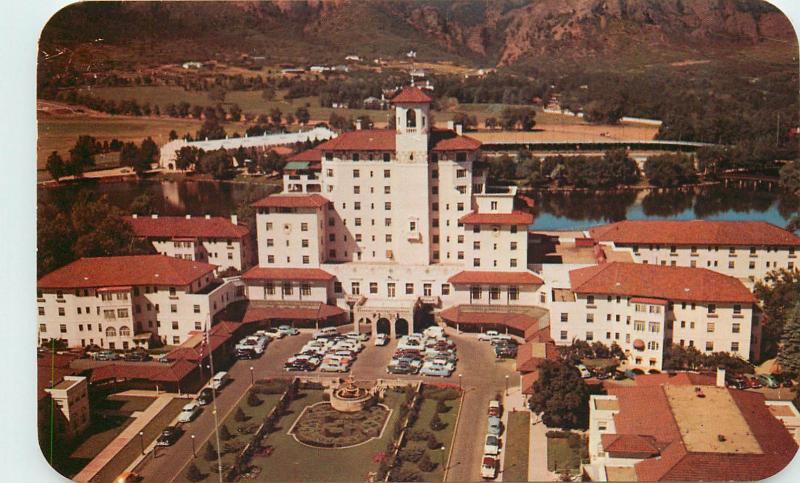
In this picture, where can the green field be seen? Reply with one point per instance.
(517, 444)
(562, 456)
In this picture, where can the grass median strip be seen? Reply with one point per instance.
(517, 445)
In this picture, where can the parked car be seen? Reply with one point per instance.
(288, 330)
(400, 368)
(752, 381)
(495, 409)
(489, 467)
(326, 332)
(333, 366)
(435, 370)
(784, 379)
(737, 383)
(502, 339)
(493, 426)
(488, 336)
(169, 436)
(505, 351)
(128, 477)
(361, 336)
(220, 379)
(769, 381)
(137, 356)
(583, 370)
(492, 445)
(298, 365)
(205, 397)
(189, 412)
(106, 356)
(381, 339)
(245, 354)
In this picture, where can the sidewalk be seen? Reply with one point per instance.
(537, 468)
(129, 433)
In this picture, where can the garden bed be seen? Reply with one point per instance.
(565, 451)
(324, 427)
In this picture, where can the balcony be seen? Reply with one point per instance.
(414, 236)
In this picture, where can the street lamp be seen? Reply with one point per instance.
(442, 448)
(194, 452)
(141, 440)
(459, 381)
(506, 384)
(251, 376)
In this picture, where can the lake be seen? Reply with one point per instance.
(554, 210)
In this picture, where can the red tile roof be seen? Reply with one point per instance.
(291, 201)
(51, 369)
(313, 155)
(448, 140)
(648, 300)
(659, 281)
(513, 218)
(151, 371)
(286, 311)
(179, 226)
(489, 316)
(412, 95)
(629, 445)
(527, 361)
(126, 270)
(527, 381)
(192, 349)
(495, 278)
(645, 412)
(695, 232)
(283, 274)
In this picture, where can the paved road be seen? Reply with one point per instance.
(483, 378)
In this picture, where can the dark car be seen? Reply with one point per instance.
(401, 368)
(785, 380)
(737, 383)
(205, 397)
(169, 436)
(752, 382)
(137, 356)
(505, 352)
(245, 354)
(298, 366)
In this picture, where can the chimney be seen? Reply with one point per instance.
(358, 124)
(720, 377)
(234, 219)
(458, 129)
(188, 217)
(451, 125)
(134, 216)
(208, 217)
(154, 216)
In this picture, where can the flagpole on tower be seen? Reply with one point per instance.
(213, 395)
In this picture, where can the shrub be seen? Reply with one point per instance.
(210, 453)
(441, 407)
(441, 393)
(419, 435)
(436, 423)
(193, 473)
(412, 454)
(433, 443)
(224, 434)
(425, 464)
(253, 400)
(400, 474)
(271, 386)
(239, 415)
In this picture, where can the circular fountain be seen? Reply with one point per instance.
(350, 398)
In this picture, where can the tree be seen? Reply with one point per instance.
(224, 433)
(239, 415)
(778, 293)
(340, 122)
(81, 156)
(561, 396)
(210, 453)
(670, 170)
(275, 115)
(236, 112)
(173, 135)
(193, 473)
(466, 121)
(302, 115)
(142, 205)
(217, 94)
(55, 166)
(211, 129)
(253, 400)
(524, 117)
(148, 154)
(216, 163)
(502, 168)
(790, 177)
(789, 351)
(490, 123)
(425, 464)
(268, 94)
(436, 423)
(186, 157)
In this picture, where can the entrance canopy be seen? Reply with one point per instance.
(516, 318)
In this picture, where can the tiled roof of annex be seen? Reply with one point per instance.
(660, 282)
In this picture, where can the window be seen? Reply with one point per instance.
(42, 328)
(373, 287)
(122, 313)
(358, 221)
(387, 222)
(387, 173)
(476, 262)
(493, 205)
(460, 206)
(269, 226)
(387, 190)
(412, 226)
(388, 238)
(287, 288)
(638, 325)
(589, 318)
(409, 289)
(652, 345)
(63, 328)
(710, 327)
(176, 339)
(712, 308)
(303, 226)
(306, 260)
(476, 245)
(734, 347)
(269, 288)
(564, 317)
(654, 327)
(513, 262)
(109, 314)
(445, 289)
(475, 292)
(513, 245)
(461, 173)
(709, 346)
(513, 293)
(590, 300)
(461, 157)
(737, 309)
(589, 336)
(390, 289)
(357, 205)
(337, 287)
(61, 311)
(356, 173)
(426, 289)
(563, 335)
(460, 255)
(386, 157)
(173, 308)
(387, 205)
(356, 190)
(41, 310)
(305, 289)
(355, 289)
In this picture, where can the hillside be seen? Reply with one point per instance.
(497, 33)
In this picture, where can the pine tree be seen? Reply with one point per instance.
(224, 434)
(193, 473)
(239, 415)
(210, 453)
(789, 352)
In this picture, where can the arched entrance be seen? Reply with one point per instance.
(383, 326)
(401, 327)
(364, 324)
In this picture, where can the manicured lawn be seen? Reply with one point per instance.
(255, 416)
(444, 436)
(292, 461)
(517, 444)
(561, 456)
(125, 457)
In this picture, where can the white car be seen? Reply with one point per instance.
(489, 467)
(492, 445)
(381, 339)
(489, 335)
(357, 336)
(189, 412)
(434, 332)
(333, 366)
(585, 374)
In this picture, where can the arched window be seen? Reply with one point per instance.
(411, 118)
(125, 331)
(111, 332)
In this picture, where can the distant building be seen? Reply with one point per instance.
(128, 301)
(685, 427)
(71, 398)
(353, 58)
(219, 241)
(319, 69)
(170, 149)
(192, 65)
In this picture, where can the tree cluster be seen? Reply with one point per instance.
(778, 294)
(561, 396)
(670, 170)
(678, 357)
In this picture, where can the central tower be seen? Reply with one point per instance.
(412, 125)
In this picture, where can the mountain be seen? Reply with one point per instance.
(503, 33)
